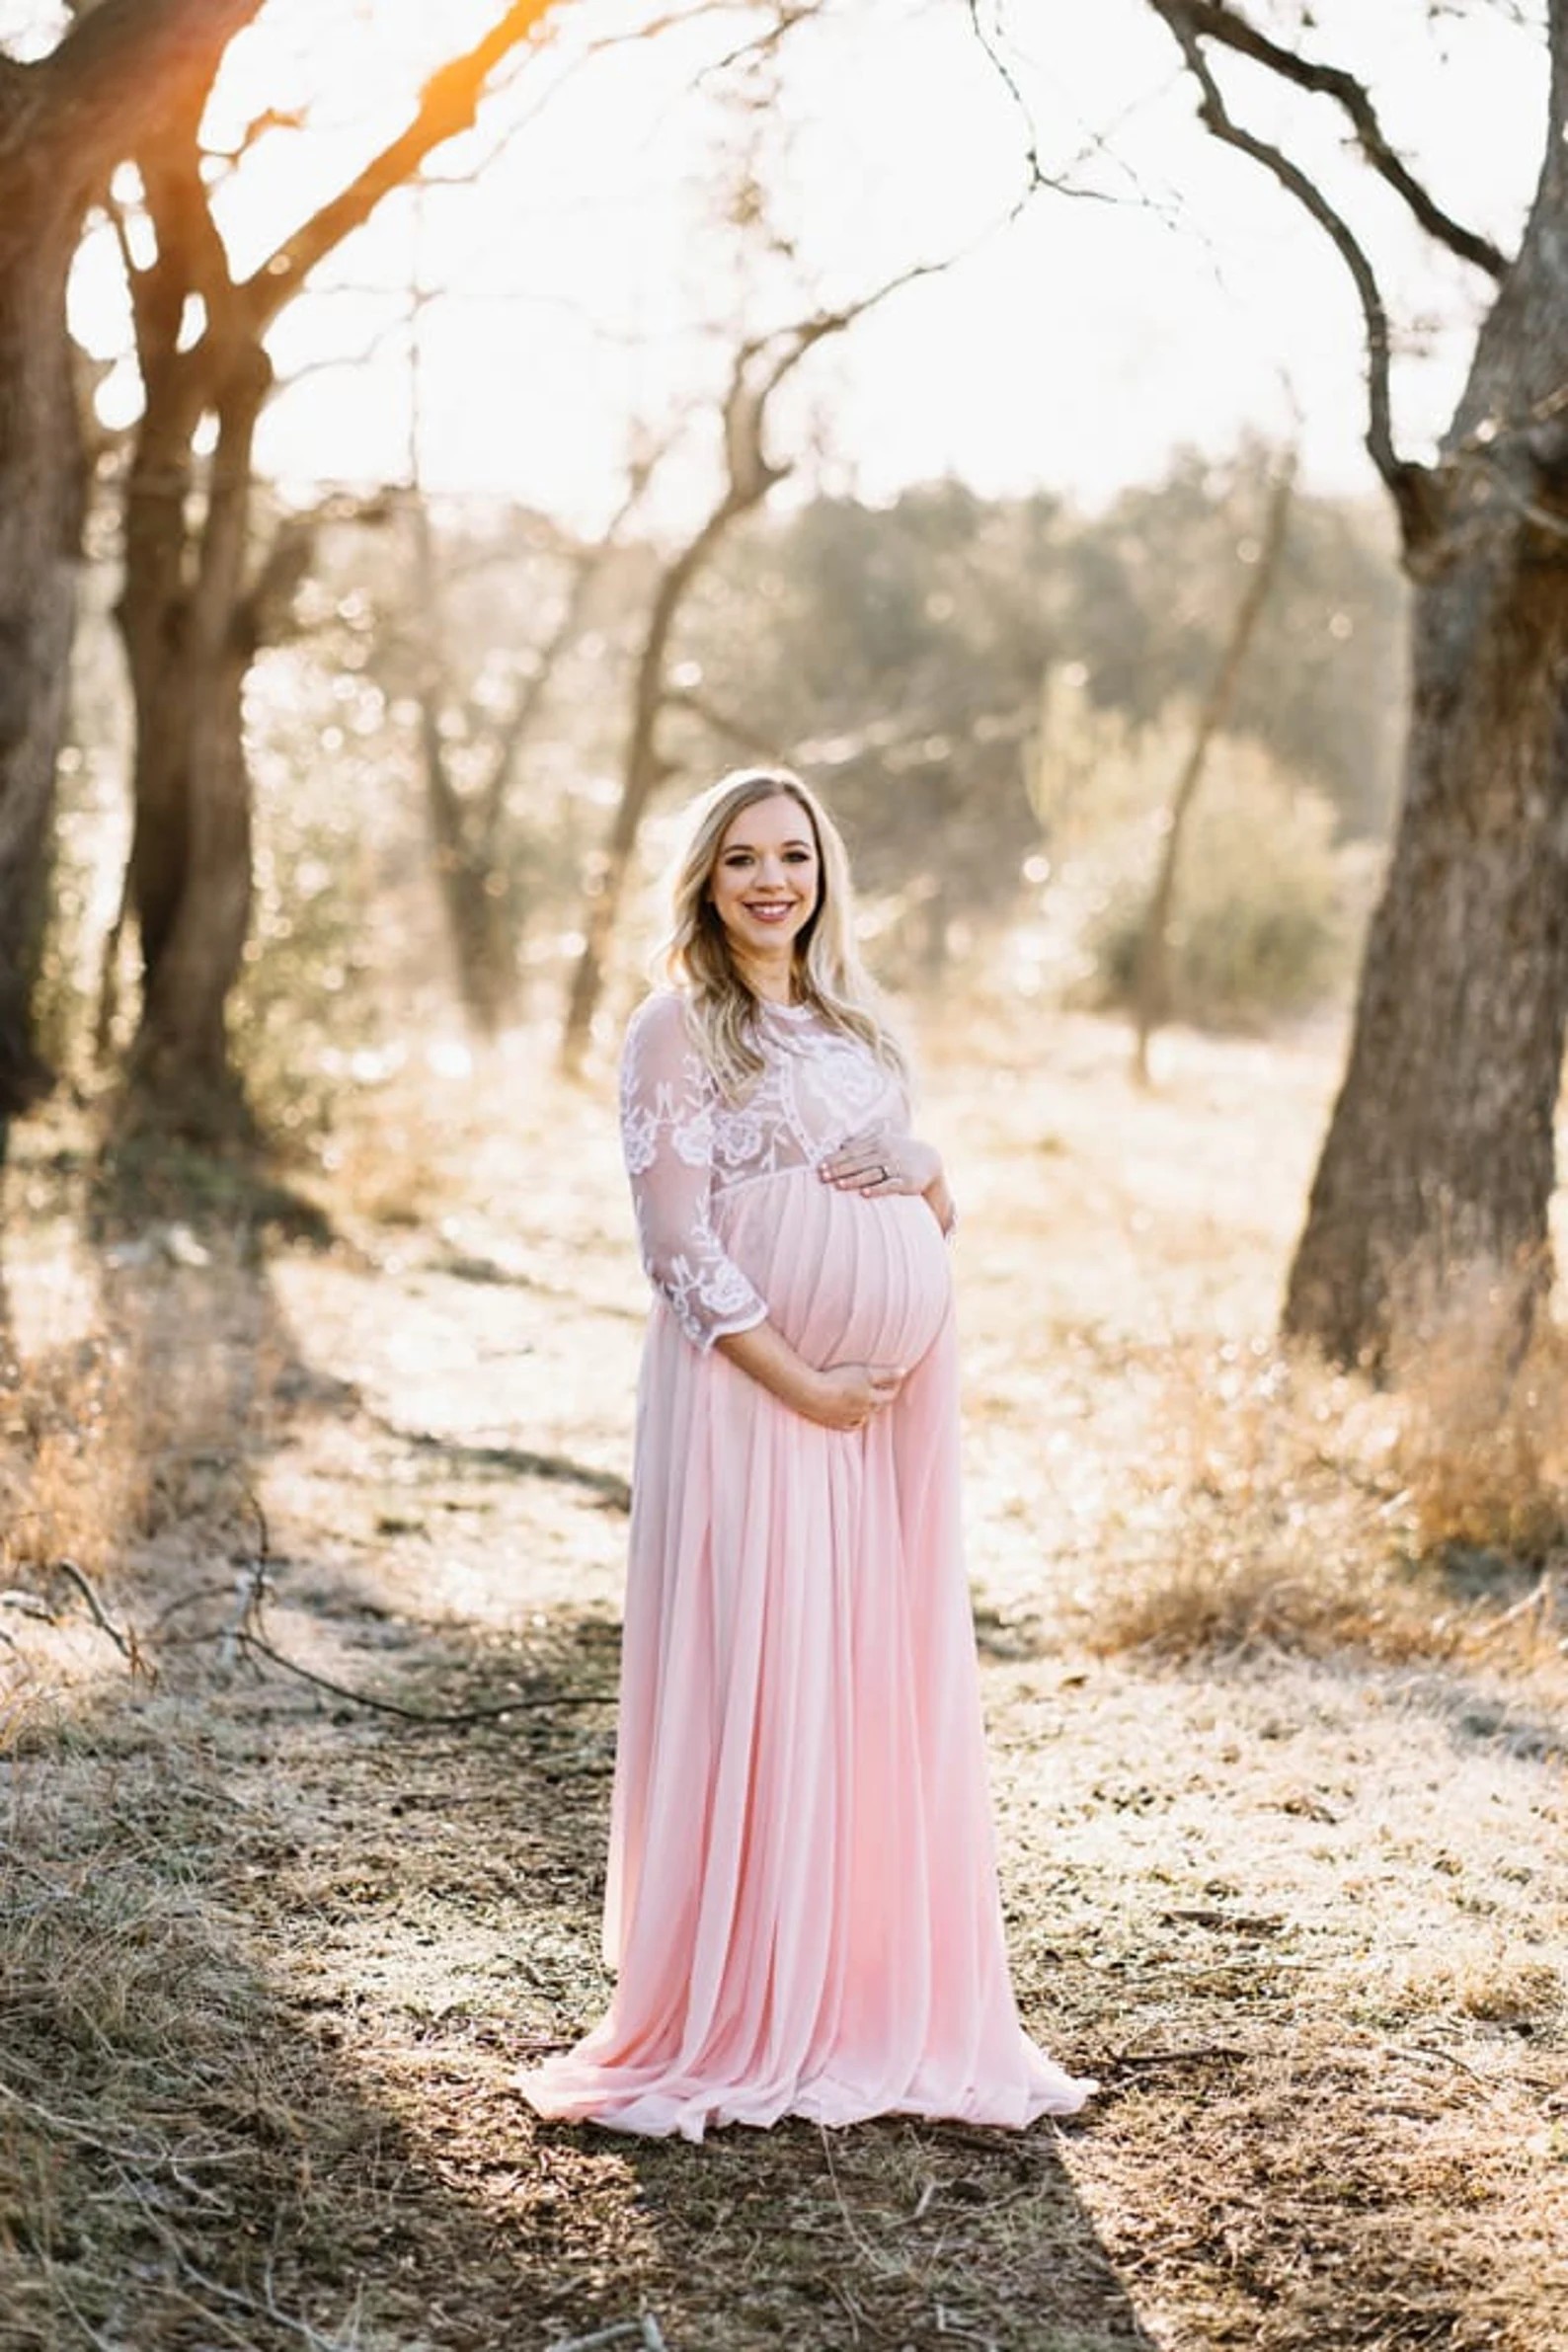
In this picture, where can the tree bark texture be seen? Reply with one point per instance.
(1436, 1174)
(1438, 1168)
(41, 504)
(64, 121)
(189, 651)
(189, 626)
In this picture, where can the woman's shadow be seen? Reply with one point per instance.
(893, 2233)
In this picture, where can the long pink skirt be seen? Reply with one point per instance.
(802, 1905)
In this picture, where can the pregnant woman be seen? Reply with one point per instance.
(802, 1905)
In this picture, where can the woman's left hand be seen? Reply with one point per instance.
(879, 1161)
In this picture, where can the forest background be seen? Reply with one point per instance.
(474, 434)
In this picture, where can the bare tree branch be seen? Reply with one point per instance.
(273, 118)
(761, 365)
(370, 350)
(262, 617)
(754, 46)
(1179, 16)
(1036, 173)
(525, 120)
(448, 104)
(1036, 176)
(792, 342)
(728, 730)
(192, 254)
(587, 565)
(1220, 23)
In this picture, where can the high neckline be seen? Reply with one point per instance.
(787, 1012)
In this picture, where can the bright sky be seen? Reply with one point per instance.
(586, 282)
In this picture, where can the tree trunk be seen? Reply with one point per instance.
(606, 883)
(644, 769)
(194, 610)
(154, 608)
(64, 120)
(190, 643)
(461, 839)
(1438, 1170)
(1152, 987)
(41, 508)
(469, 887)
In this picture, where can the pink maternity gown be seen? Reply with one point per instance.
(802, 1905)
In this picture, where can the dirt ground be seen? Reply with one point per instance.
(1278, 1731)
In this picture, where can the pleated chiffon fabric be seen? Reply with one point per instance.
(802, 1907)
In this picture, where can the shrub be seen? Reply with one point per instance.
(1264, 907)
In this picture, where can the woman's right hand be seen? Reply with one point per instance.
(847, 1394)
(845, 1397)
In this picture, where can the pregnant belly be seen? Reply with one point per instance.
(846, 1280)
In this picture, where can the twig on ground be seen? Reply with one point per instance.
(58, 2289)
(1204, 1914)
(84, 2138)
(251, 1590)
(191, 1600)
(857, 2235)
(239, 2300)
(243, 1634)
(228, 2329)
(236, 2297)
(1447, 2058)
(124, 1641)
(15, 1860)
(645, 2330)
(1540, 1600)
(428, 1718)
(848, 2306)
(1176, 2058)
(263, 1538)
(519, 1461)
(28, 1605)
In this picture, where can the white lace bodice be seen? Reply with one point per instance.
(686, 1146)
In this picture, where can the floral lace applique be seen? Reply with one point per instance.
(686, 1147)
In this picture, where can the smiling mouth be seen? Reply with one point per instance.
(771, 914)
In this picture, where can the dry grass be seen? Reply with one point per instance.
(76, 1465)
(1484, 1438)
(1299, 1509)
(144, 1377)
(1278, 1726)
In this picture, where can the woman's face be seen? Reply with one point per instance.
(766, 878)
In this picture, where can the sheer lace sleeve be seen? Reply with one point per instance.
(667, 1136)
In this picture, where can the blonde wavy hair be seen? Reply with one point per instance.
(695, 956)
